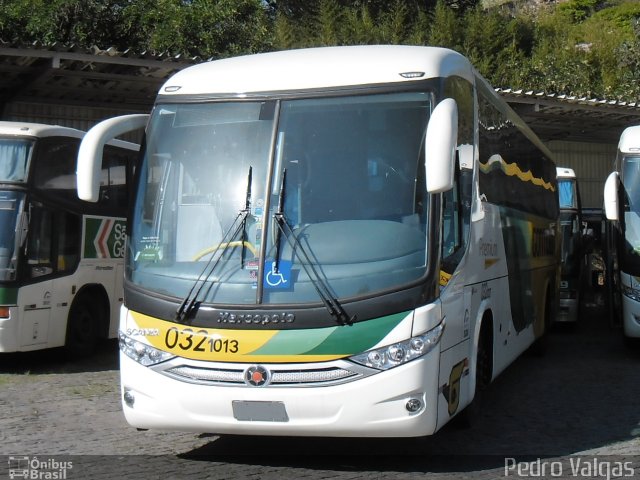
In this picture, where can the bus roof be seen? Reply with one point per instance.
(317, 68)
(564, 172)
(630, 140)
(38, 130)
(41, 130)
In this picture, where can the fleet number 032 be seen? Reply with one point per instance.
(198, 341)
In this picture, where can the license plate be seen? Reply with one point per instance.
(251, 411)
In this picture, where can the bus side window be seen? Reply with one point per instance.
(450, 222)
(455, 217)
(40, 242)
(113, 180)
(55, 169)
(69, 238)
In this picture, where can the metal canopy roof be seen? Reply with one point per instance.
(75, 76)
(580, 119)
(69, 75)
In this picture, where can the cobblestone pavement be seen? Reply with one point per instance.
(572, 413)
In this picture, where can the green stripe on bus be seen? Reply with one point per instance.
(338, 340)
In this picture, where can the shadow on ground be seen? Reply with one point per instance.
(56, 360)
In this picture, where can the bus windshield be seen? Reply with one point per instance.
(246, 202)
(10, 207)
(14, 156)
(568, 193)
(631, 181)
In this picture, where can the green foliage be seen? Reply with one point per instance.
(445, 27)
(195, 27)
(578, 10)
(628, 54)
(579, 47)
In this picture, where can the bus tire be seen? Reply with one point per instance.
(82, 328)
(484, 372)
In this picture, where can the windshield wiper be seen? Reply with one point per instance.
(190, 304)
(245, 212)
(331, 303)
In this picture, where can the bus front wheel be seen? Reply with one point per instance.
(82, 328)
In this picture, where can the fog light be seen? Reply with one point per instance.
(129, 398)
(413, 405)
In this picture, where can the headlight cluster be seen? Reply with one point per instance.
(140, 352)
(402, 352)
(632, 293)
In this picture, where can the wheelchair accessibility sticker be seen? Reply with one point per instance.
(277, 276)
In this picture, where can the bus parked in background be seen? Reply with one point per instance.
(61, 258)
(346, 241)
(572, 250)
(622, 209)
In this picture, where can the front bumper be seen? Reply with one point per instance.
(370, 406)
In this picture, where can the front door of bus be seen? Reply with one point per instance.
(36, 297)
(35, 313)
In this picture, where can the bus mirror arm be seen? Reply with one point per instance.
(611, 187)
(22, 229)
(89, 164)
(440, 146)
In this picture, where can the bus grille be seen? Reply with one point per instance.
(279, 376)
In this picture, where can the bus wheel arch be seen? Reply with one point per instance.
(87, 321)
(482, 371)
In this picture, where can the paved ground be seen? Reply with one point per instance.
(578, 403)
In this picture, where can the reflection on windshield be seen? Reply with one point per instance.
(354, 198)
(14, 155)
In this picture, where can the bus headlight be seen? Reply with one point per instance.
(400, 353)
(141, 352)
(632, 293)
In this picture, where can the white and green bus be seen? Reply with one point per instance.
(622, 209)
(61, 258)
(343, 241)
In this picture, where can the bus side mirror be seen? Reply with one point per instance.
(89, 164)
(611, 186)
(440, 146)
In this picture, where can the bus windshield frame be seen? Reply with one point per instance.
(345, 173)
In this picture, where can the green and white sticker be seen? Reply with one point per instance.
(103, 237)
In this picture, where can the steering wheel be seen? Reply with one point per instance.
(248, 245)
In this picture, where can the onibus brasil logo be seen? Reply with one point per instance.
(38, 468)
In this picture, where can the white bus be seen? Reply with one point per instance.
(61, 259)
(622, 208)
(573, 243)
(342, 241)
